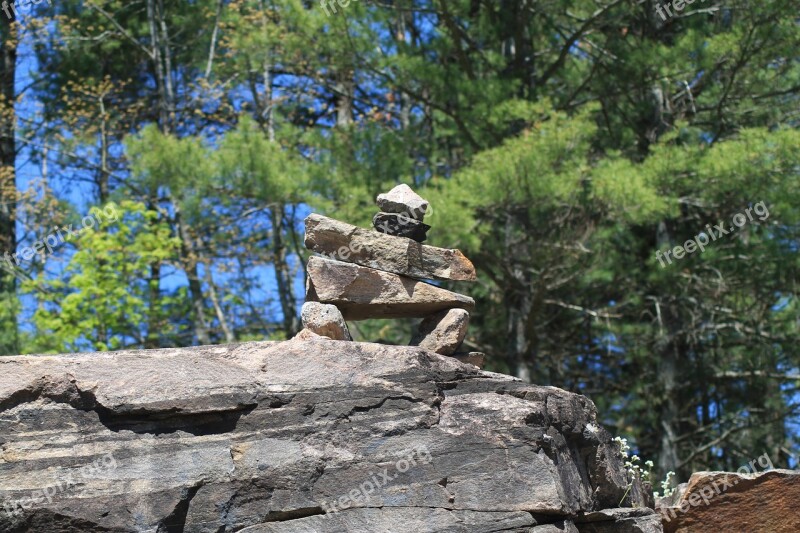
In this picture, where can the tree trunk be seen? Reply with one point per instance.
(283, 276)
(162, 63)
(9, 338)
(212, 294)
(670, 357)
(344, 100)
(152, 340)
(189, 263)
(103, 173)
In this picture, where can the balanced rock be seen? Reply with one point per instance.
(325, 320)
(401, 225)
(361, 293)
(345, 242)
(442, 332)
(402, 199)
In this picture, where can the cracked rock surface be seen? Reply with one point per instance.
(299, 436)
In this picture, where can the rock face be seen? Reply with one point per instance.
(362, 293)
(729, 502)
(345, 242)
(301, 436)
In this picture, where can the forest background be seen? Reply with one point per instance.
(562, 143)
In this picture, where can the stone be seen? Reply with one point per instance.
(402, 199)
(621, 520)
(442, 332)
(307, 335)
(325, 320)
(361, 293)
(471, 358)
(348, 243)
(273, 436)
(400, 225)
(562, 526)
(410, 520)
(727, 501)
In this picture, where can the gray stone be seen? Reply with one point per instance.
(325, 320)
(362, 293)
(402, 199)
(345, 242)
(411, 520)
(563, 526)
(442, 332)
(269, 436)
(648, 522)
(400, 225)
(620, 513)
(471, 358)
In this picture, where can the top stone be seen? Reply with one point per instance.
(402, 199)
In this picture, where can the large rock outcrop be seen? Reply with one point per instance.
(300, 436)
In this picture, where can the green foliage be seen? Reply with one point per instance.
(101, 301)
(561, 144)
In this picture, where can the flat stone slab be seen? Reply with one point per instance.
(361, 293)
(402, 199)
(345, 242)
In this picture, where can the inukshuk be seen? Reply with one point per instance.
(361, 274)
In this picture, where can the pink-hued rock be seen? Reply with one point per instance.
(729, 502)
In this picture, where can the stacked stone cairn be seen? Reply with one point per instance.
(361, 274)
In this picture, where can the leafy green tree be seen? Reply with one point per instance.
(101, 300)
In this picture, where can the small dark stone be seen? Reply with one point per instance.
(400, 225)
